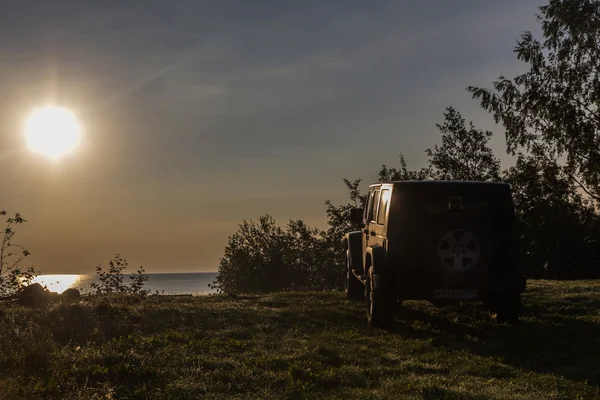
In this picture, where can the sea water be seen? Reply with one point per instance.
(180, 283)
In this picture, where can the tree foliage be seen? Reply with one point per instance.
(338, 222)
(464, 153)
(13, 275)
(553, 108)
(551, 114)
(403, 173)
(559, 229)
(264, 257)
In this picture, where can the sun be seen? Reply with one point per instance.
(52, 131)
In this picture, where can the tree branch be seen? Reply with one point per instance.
(541, 120)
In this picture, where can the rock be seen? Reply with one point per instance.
(35, 289)
(70, 295)
(34, 295)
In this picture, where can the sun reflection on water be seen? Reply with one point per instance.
(58, 282)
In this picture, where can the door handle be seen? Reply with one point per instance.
(372, 233)
(366, 231)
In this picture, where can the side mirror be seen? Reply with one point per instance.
(356, 217)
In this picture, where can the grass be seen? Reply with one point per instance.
(301, 345)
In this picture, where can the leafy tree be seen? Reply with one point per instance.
(13, 275)
(464, 153)
(553, 108)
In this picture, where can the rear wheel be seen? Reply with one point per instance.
(355, 290)
(379, 310)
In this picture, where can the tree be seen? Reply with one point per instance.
(553, 108)
(403, 173)
(558, 227)
(464, 153)
(13, 275)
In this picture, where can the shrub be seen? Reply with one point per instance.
(13, 276)
(263, 257)
(110, 281)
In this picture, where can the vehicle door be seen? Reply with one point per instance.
(370, 218)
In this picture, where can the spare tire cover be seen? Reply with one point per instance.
(457, 249)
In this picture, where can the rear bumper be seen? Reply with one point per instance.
(411, 286)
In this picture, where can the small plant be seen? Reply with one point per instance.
(138, 279)
(13, 276)
(110, 281)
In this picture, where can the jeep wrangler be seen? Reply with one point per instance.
(440, 241)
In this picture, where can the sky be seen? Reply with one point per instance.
(199, 114)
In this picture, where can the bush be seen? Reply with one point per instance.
(13, 276)
(110, 281)
(558, 225)
(263, 257)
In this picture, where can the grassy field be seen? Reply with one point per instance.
(302, 345)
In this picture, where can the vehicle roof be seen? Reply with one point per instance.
(439, 182)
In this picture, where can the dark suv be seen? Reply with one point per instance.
(441, 241)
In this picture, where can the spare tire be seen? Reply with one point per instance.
(458, 251)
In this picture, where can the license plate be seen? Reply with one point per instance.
(454, 294)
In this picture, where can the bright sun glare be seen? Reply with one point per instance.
(58, 283)
(52, 131)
